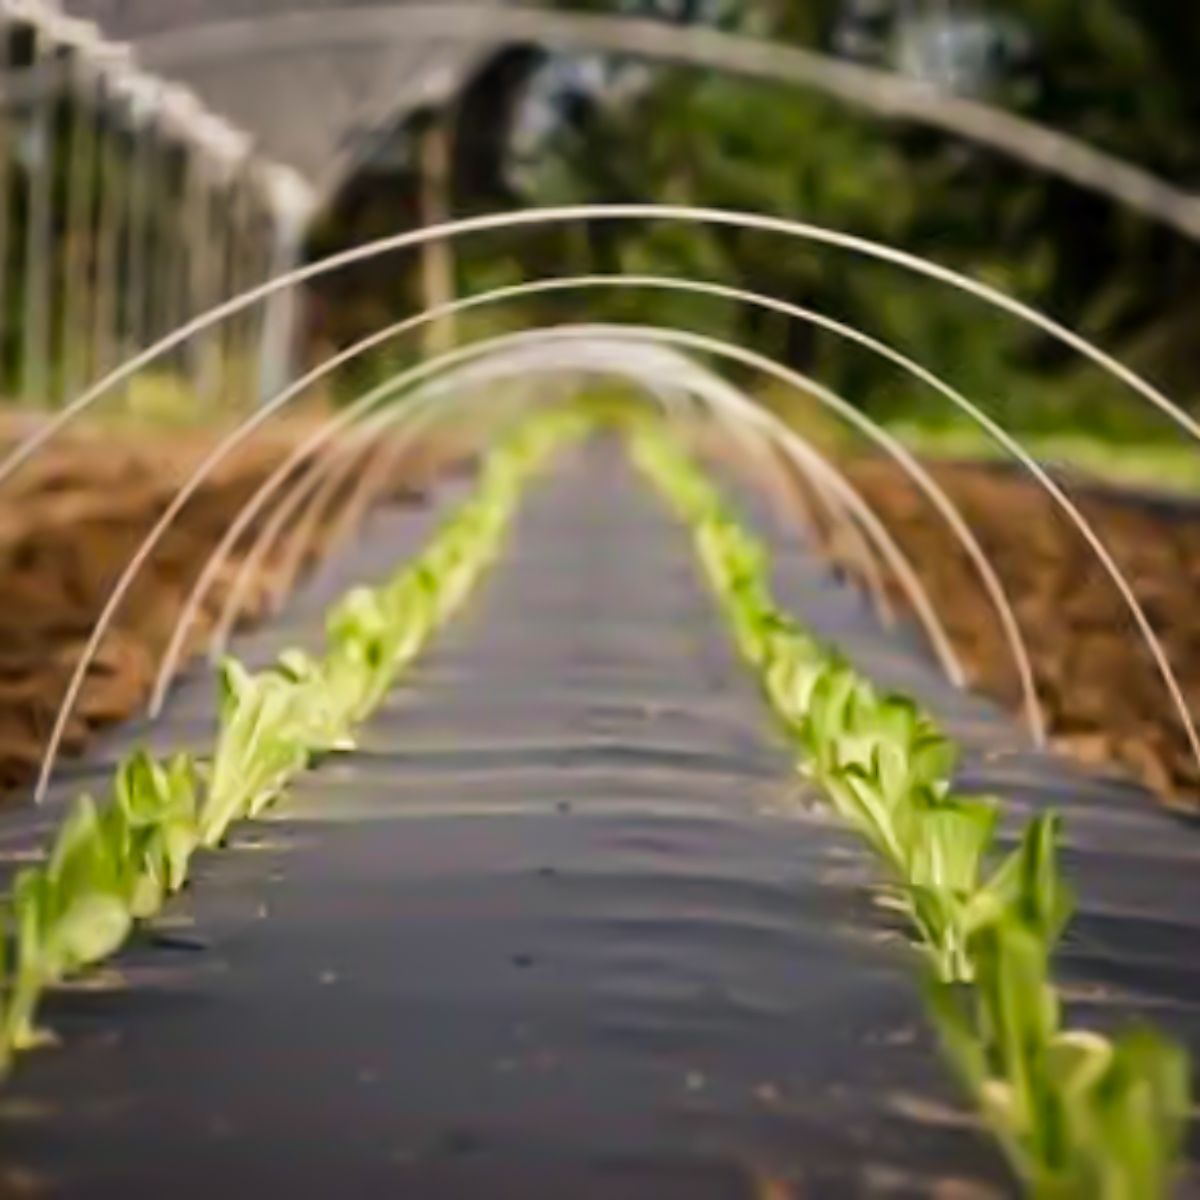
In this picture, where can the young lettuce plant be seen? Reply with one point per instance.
(68, 914)
(367, 645)
(264, 739)
(1079, 1116)
(327, 696)
(152, 824)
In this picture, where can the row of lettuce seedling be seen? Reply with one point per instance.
(1080, 1116)
(115, 863)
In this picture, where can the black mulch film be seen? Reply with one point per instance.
(567, 924)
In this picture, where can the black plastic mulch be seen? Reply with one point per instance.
(566, 924)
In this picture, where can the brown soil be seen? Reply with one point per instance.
(1104, 701)
(69, 522)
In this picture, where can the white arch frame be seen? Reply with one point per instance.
(675, 213)
(912, 468)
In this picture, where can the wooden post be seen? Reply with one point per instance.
(139, 218)
(289, 203)
(437, 257)
(6, 175)
(106, 318)
(39, 225)
(80, 243)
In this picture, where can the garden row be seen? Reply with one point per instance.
(115, 863)
(1079, 1116)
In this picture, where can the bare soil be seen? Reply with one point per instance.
(69, 522)
(1104, 700)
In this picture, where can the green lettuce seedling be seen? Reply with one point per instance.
(152, 824)
(1079, 1116)
(68, 914)
(262, 741)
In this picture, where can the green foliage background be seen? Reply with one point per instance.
(1113, 72)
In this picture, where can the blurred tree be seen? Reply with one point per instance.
(539, 128)
(723, 143)
(1113, 72)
